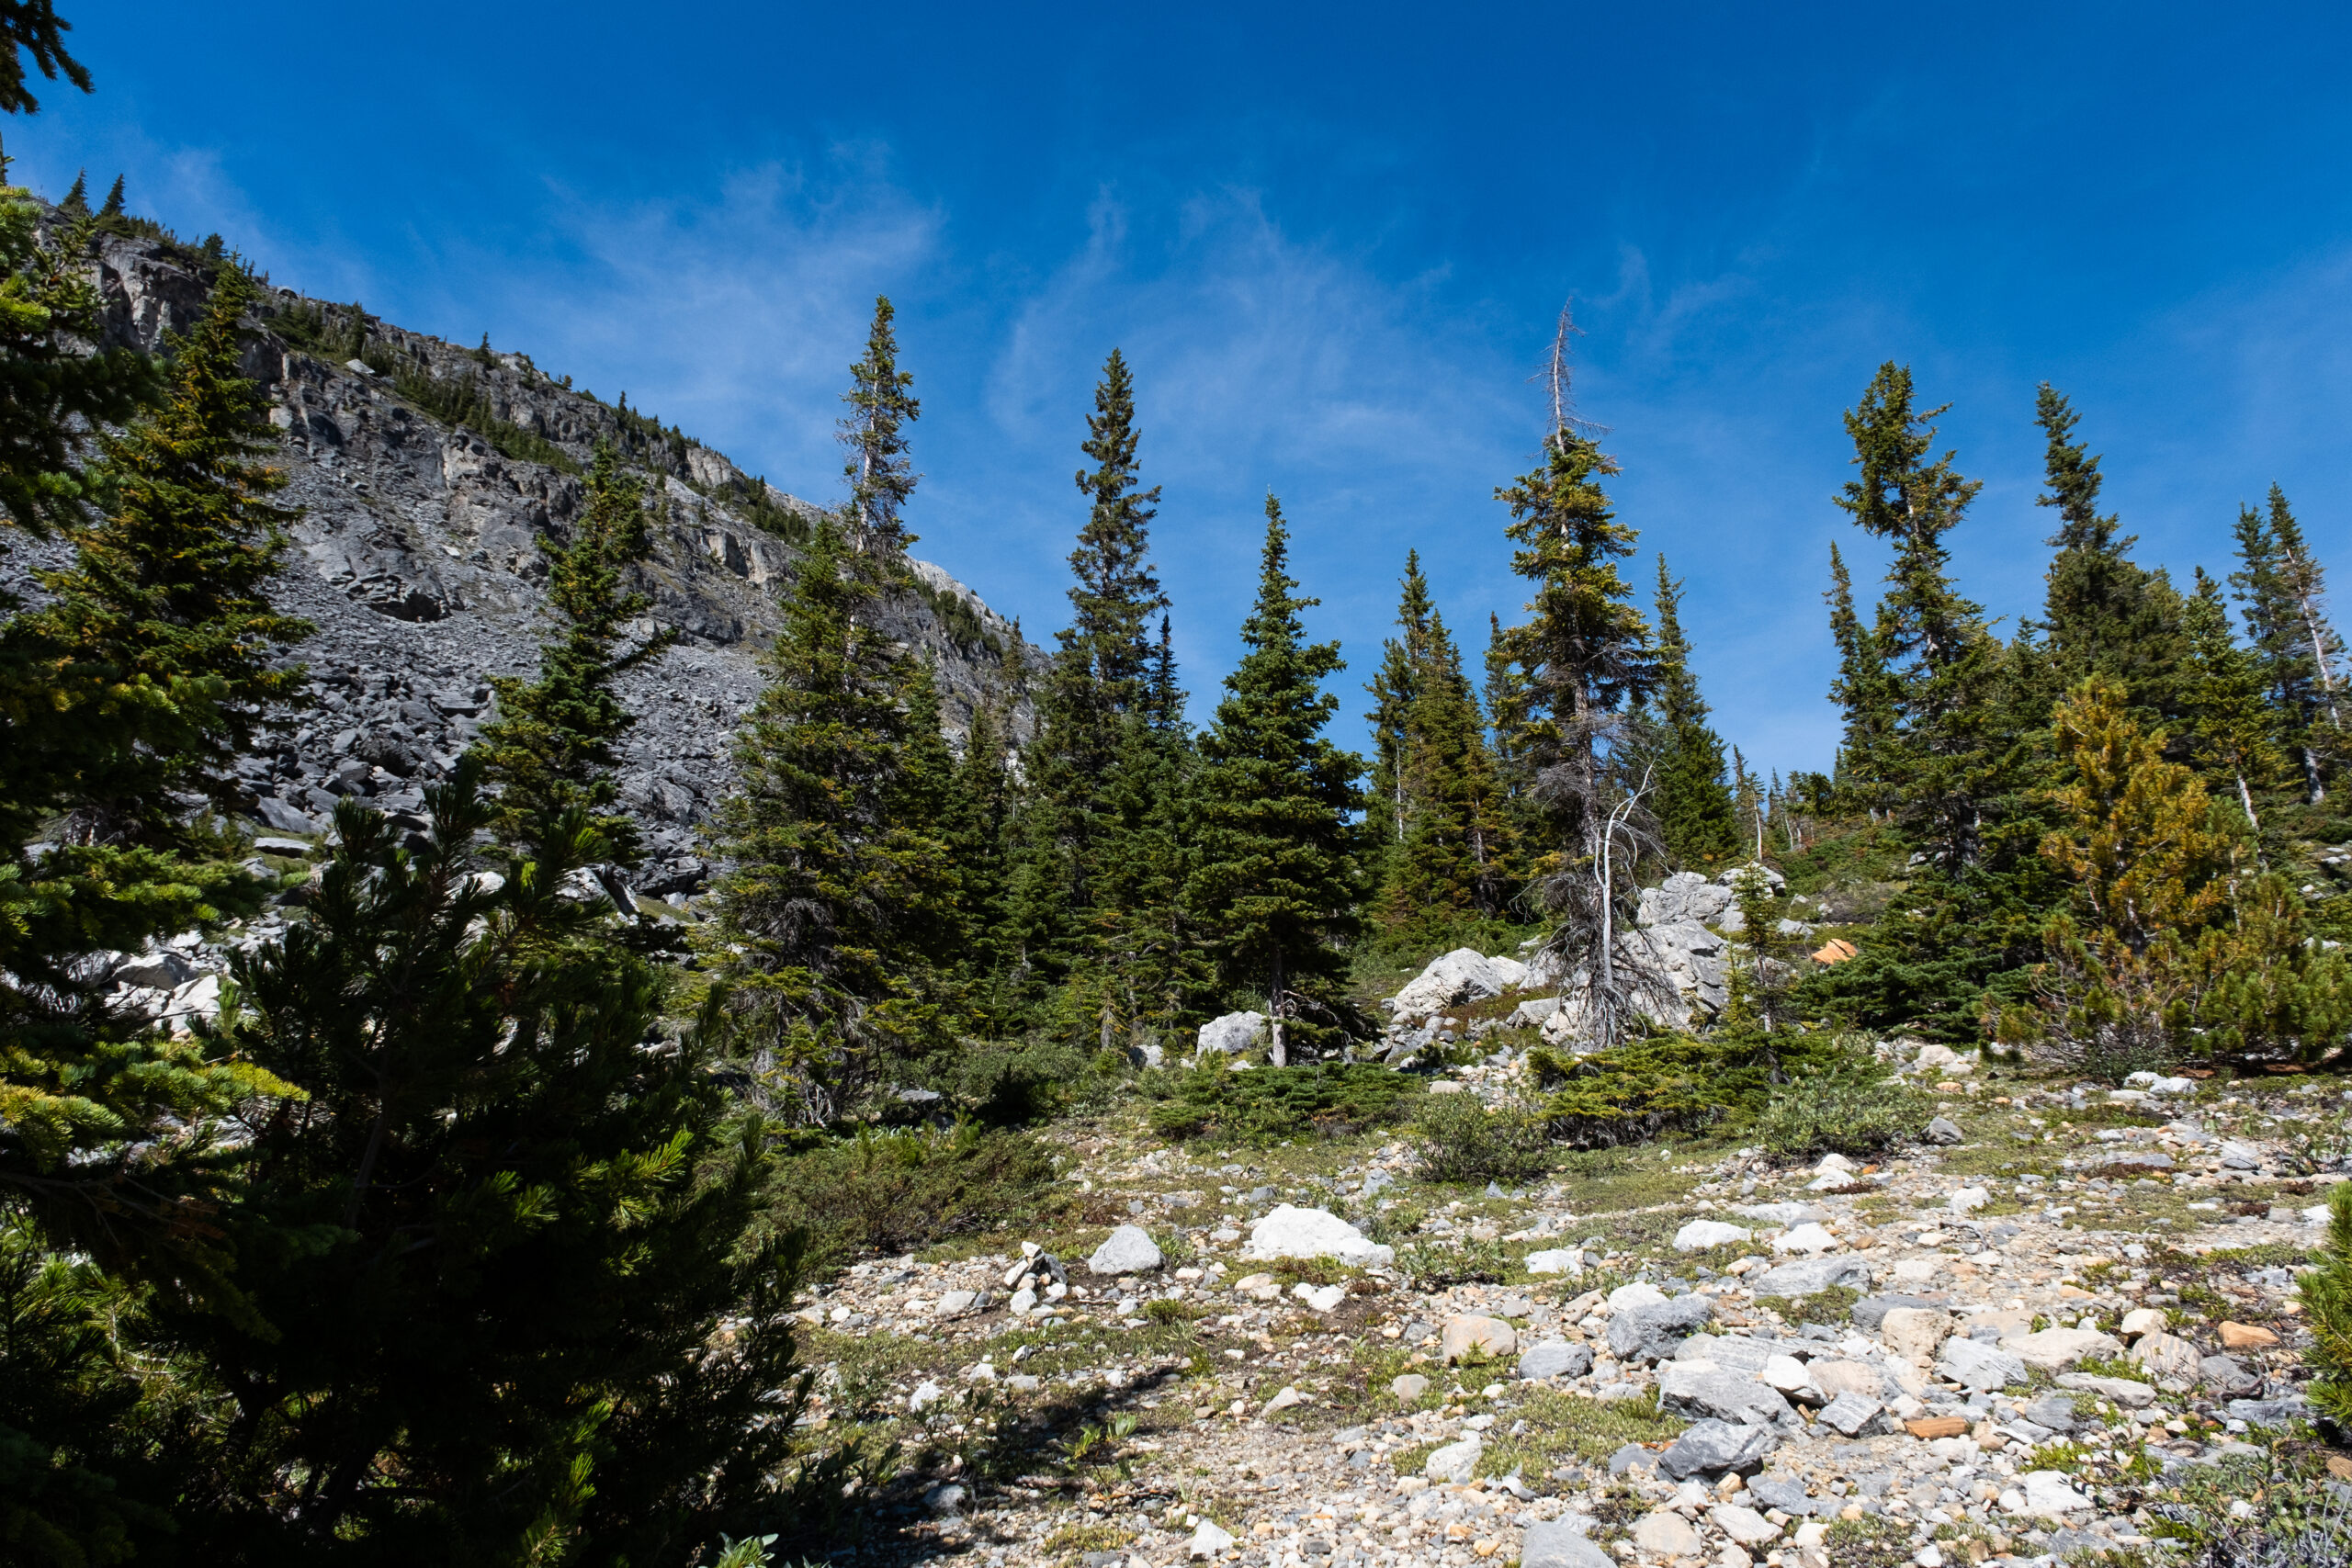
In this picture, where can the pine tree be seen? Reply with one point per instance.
(168, 595)
(1450, 868)
(1693, 808)
(77, 196)
(482, 1257)
(1944, 758)
(881, 477)
(1277, 884)
(552, 746)
(2103, 613)
(33, 28)
(2234, 730)
(114, 203)
(1587, 660)
(830, 880)
(2304, 583)
(1394, 688)
(1865, 690)
(2281, 649)
(1103, 675)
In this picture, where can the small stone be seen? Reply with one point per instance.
(1282, 1400)
(1632, 1456)
(1319, 1298)
(2120, 1390)
(1833, 1378)
(1128, 1250)
(1974, 1365)
(1851, 1414)
(2055, 1351)
(1944, 1131)
(2171, 1362)
(1208, 1541)
(1811, 1239)
(943, 1499)
(1968, 1199)
(926, 1394)
(1558, 1543)
(1651, 1332)
(2048, 1492)
(1455, 1462)
(1745, 1526)
(1810, 1276)
(1711, 1446)
(1464, 1334)
(2246, 1337)
(1927, 1428)
(956, 1303)
(2142, 1320)
(1700, 1235)
(1410, 1388)
(1568, 1260)
(1554, 1359)
(1664, 1533)
(2236, 1156)
(1915, 1333)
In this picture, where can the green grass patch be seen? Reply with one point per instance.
(1827, 1307)
(1563, 1428)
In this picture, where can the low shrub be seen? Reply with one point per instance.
(1847, 1110)
(1007, 1084)
(1459, 1140)
(1265, 1105)
(890, 1191)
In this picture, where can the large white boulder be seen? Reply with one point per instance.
(1129, 1250)
(1685, 895)
(1464, 975)
(1232, 1035)
(1312, 1233)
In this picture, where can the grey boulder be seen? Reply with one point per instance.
(1810, 1276)
(1713, 1446)
(1687, 1390)
(1943, 1130)
(1554, 1359)
(1557, 1543)
(1129, 1250)
(1870, 1312)
(1651, 1333)
(1974, 1364)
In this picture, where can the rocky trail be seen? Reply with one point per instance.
(2022, 1343)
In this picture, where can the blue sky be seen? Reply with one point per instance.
(1332, 241)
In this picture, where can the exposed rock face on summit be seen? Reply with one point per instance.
(418, 557)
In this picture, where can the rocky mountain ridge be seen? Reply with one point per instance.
(427, 475)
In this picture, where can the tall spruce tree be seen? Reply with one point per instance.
(1394, 688)
(1945, 754)
(2280, 645)
(551, 747)
(1277, 883)
(1100, 679)
(1587, 660)
(2102, 613)
(1693, 808)
(168, 595)
(1865, 690)
(2304, 583)
(833, 891)
(2234, 731)
(1452, 867)
(874, 432)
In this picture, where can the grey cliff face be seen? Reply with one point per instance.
(417, 555)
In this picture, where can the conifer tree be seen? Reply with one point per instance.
(1865, 690)
(2281, 649)
(1695, 811)
(1945, 755)
(1277, 883)
(1103, 675)
(833, 891)
(2234, 728)
(2304, 583)
(32, 28)
(168, 595)
(113, 206)
(1450, 867)
(77, 196)
(1394, 688)
(2103, 612)
(881, 476)
(1586, 661)
(483, 1257)
(552, 746)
